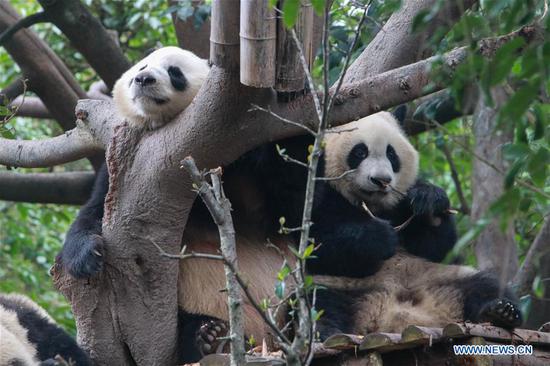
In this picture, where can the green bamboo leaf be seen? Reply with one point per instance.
(290, 12)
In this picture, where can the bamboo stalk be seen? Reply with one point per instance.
(258, 42)
(290, 75)
(224, 33)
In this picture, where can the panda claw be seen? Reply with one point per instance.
(208, 335)
(502, 313)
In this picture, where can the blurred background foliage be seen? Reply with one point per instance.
(32, 234)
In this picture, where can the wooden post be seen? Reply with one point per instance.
(224, 33)
(258, 42)
(290, 75)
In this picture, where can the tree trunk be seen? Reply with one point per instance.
(495, 249)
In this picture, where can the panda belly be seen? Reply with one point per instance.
(202, 281)
(406, 290)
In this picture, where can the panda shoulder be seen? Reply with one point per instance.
(21, 303)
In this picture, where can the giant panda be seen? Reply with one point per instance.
(402, 288)
(29, 336)
(160, 86)
(262, 188)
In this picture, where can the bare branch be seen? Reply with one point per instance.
(72, 145)
(397, 45)
(464, 207)
(71, 188)
(26, 22)
(256, 107)
(12, 91)
(30, 107)
(526, 274)
(219, 206)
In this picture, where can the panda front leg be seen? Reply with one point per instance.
(351, 248)
(83, 248)
(485, 302)
(431, 233)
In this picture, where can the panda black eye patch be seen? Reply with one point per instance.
(393, 158)
(178, 80)
(357, 155)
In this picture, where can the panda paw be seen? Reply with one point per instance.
(502, 313)
(428, 200)
(86, 257)
(208, 335)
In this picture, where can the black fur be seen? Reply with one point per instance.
(485, 301)
(49, 339)
(189, 325)
(352, 243)
(178, 80)
(84, 241)
(421, 237)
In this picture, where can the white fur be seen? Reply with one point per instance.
(14, 343)
(137, 104)
(375, 131)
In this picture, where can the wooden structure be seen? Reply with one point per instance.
(418, 346)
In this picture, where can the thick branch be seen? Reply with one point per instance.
(396, 45)
(72, 145)
(30, 107)
(528, 270)
(48, 77)
(71, 188)
(195, 39)
(90, 137)
(23, 23)
(89, 37)
(12, 91)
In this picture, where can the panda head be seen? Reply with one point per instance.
(385, 163)
(160, 86)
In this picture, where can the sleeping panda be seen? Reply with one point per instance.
(160, 86)
(30, 337)
(148, 95)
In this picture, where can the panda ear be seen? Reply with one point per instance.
(400, 113)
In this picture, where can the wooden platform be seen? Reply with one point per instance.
(416, 346)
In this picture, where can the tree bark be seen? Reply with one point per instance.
(195, 39)
(495, 250)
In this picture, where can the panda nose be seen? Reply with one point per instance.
(144, 79)
(381, 182)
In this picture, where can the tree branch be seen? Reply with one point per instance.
(26, 22)
(219, 206)
(71, 188)
(396, 45)
(89, 37)
(12, 91)
(190, 37)
(526, 274)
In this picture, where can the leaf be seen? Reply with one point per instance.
(280, 289)
(318, 6)
(519, 102)
(420, 20)
(512, 173)
(283, 273)
(503, 61)
(538, 166)
(309, 249)
(290, 12)
(515, 151)
(541, 121)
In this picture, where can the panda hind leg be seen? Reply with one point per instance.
(211, 337)
(484, 301)
(502, 313)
